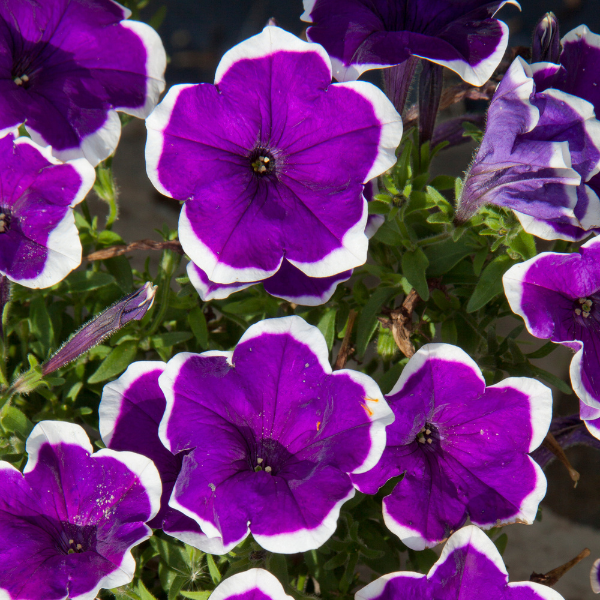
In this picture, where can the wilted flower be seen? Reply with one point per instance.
(272, 436)
(271, 161)
(39, 243)
(68, 65)
(538, 156)
(130, 412)
(470, 566)
(360, 35)
(558, 296)
(463, 448)
(69, 521)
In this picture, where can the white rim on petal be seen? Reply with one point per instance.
(240, 583)
(113, 395)
(54, 433)
(541, 591)
(313, 300)
(198, 540)
(269, 41)
(593, 427)
(376, 588)
(220, 292)
(304, 539)
(594, 578)
(156, 63)
(409, 536)
(582, 33)
(297, 328)
(575, 370)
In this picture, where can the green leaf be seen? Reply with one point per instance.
(386, 345)
(551, 379)
(115, 363)
(86, 281)
(143, 592)
(277, 564)
(41, 325)
(199, 327)
(524, 245)
(215, 574)
(490, 283)
(167, 340)
(388, 380)
(444, 256)
(326, 326)
(543, 351)
(196, 595)
(14, 420)
(120, 268)
(500, 543)
(110, 238)
(449, 332)
(337, 561)
(414, 266)
(367, 320)
(442, 182)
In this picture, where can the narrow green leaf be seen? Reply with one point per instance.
(120, 268)
(41, 325)
(115, 363)
(215, 574)
(86, 281)
(167, 340)
(199, 327)
(542, 352)
(414, 266)
(490, 283)
(337, 561)
(196, 595)
(143, 592)
(449, 332)
(442, 182)
(367, 320)
(14, 420)
(277, 564)
(551, 379)
(447, 254)
(501, 542)
(326, 326)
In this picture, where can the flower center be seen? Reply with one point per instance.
(583, 307)
(429, 436)
(262, 162)
(75, 539)
(21, 79)
(4, 222)
(261, 466)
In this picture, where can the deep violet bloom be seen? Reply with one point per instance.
(463, 448)
(66, 66)
(271, 161)
(539, 152)
(288, 283)
(254, 584)
(69, 521)
(39, 243)
(558, 296)
(370, 34)
(130, 412)
(470, 566)
(272, 435)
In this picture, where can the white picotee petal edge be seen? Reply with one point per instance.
(218, 293)
(542, 591)
(198, 540)
(376, 588)
(410, 537)
(240, 583)
(595, 577)
(114, 393)
(582, 33)
(304, 539)
(575, 370)
(313, 300)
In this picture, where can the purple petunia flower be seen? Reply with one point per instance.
(271, 161)
(463, 448)
(558, 296)
(69, 521)
(39, 243)
(68, 65)
(254, 584)
(470, 566)
(130, 412)
(360, 35)
(540, 151)
(272, 436)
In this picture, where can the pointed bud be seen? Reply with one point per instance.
(132, 307)
(545, 46)
(430, 93)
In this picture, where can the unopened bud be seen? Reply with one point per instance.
(545, 46)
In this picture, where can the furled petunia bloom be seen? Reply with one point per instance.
(69, 521)
(462, 448)
(67, 66)
(288, 283)
(130, 412)
(558, 296)
(470, 566)
(254, 584)
(271, 161)
(539, 153)
(272, 436)
(39, 243)
(370, 34)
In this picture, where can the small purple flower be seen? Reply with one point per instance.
(130, 412)
(39, 243)
(272, 436)
(539, 152)
(470, 566)
(370, 34)
(462, 448)
(254, 584)
(68, 65)
(69, 521)
(558, 296)
(271, 161)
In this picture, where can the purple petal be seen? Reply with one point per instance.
(272, 434)
(361, 35)
(253, 584)
(39, 243)
(70, 520)
(321, 142)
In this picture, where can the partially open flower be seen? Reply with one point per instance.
(462, 448)
(69, 65)
(69, 521)
(272, 435)
(39, 243)
(470, 566)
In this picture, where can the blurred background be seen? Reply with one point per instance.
(196, 33)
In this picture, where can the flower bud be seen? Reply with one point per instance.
(545, 46)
